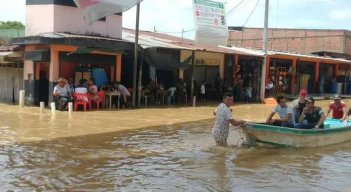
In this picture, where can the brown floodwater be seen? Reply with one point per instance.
(155, 150)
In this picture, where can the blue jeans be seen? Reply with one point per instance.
(305, 126)
(284, 124)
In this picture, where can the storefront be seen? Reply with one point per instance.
(47, 58)
(208, 67)
(11, 75)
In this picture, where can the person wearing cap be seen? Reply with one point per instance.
(285, 112)
(312, 117)
(61, 93)
(338, 108)
(299, 104)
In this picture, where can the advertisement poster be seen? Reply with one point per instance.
(210, 22)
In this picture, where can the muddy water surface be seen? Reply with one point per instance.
(154, 150)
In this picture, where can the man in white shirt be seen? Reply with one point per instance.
(224, 117)
(285, 113)
(61, 93)
(203, 91)
(124, 93)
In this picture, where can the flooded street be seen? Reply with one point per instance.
(155, 150)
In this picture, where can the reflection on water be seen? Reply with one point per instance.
(103, 151)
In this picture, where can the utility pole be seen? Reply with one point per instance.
(136, 47)
(265, 42)
(183, 34)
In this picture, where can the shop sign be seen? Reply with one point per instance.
(210, 22)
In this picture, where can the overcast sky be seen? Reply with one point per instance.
(175, 15)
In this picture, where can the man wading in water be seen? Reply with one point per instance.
(223, 119)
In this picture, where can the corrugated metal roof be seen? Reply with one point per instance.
(149, 39)
(69, 35)
(260, 53)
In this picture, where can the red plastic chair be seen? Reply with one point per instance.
(80, 99)
(100, 100)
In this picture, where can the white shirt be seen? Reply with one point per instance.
(62, 91)
(123, 90)
(81, 90)
(283, 112)
(203, 89)
(269, 86)
(220, 129)
(172, 90)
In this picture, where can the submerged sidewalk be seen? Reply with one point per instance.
(27, 124)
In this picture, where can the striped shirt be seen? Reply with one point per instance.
(221, 127)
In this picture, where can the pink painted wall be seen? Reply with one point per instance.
(57, 18)
(39, 19)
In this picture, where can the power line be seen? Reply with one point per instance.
(236, 6)
(170, 32)
(253, 10)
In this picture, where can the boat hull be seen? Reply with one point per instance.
(261, 134)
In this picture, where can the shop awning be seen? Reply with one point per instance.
(165, 59)
(87, 50)
(10, 56)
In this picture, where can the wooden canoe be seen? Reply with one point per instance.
(268, 135)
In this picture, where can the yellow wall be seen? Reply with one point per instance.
(204, 58)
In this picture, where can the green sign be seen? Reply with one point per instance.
(210, 3)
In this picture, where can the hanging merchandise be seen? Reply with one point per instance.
(100, 77)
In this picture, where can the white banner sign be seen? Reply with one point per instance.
(210, 22)
(96, 9)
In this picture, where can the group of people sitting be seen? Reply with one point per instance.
(64, 91)
(303, 114)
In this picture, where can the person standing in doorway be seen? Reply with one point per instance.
(224, 117)
(203, 91)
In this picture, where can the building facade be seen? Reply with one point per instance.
(58, 42)
(304, 41)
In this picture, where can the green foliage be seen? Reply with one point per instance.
(11, 25)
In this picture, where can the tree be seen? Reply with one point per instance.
(11, 25)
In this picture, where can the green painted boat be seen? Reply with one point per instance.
(267, 135)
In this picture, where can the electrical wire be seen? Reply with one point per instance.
(236, 6)
(176, 32)
(253, 10)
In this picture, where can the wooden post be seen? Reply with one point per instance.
(293, 77)
(118, 67)
(42, 106)
(316, 75)
(192, 75)
(21, 98)
(268, 62)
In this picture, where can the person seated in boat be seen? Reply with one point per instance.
(285, 113)
(224, 117)
(299, 104)
(312, 117)
(338, 107)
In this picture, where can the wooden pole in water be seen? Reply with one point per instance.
(70, 107)
(192, 75)
(21, 98)
(53, 107)
(135, 69)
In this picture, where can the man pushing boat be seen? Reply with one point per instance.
(224, 117)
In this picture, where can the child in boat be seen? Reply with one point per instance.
(311, 116)
(285, 112)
